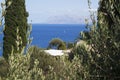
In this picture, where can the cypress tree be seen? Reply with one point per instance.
(15, 27)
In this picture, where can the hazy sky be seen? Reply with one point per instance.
(58, 11)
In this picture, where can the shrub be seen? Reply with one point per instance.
(70, 45)
(45, 60)
(53, 67)
(57, 44)
(20, 67)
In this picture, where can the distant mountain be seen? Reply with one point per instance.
(66, 19)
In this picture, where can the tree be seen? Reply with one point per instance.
(15, 27)
(105, 41)
(109, 33)
(57, 43)
(103, 55)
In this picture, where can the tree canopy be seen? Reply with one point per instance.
(57, 44)
(15, 27)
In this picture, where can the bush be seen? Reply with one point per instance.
(53, 67)
(21, 67)
(70, 45)
(45, 60)
(57, 44)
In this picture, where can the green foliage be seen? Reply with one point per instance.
(86, 35)
(70, 45)
(3, 67)
(45, 59)
(55, 68)
(57, 43)
(84, 57)
(106, 42)
(20, 67)
(100, 60)
(103, 61)
(15, 27)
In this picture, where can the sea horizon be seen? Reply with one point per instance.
(61, 23)
(42, 34)
(66, 32)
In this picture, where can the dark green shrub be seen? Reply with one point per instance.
(57, 44)
(45, 60)
(70, 45)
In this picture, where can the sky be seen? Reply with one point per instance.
(59, 11)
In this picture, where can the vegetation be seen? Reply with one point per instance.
(70, 45)
(45, 59)
(57, 44)
(15, 27)
(103, 61)
(21, 67)
(105, 41)
(3, 67)
(96, 59)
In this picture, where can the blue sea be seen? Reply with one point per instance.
(43, 33)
